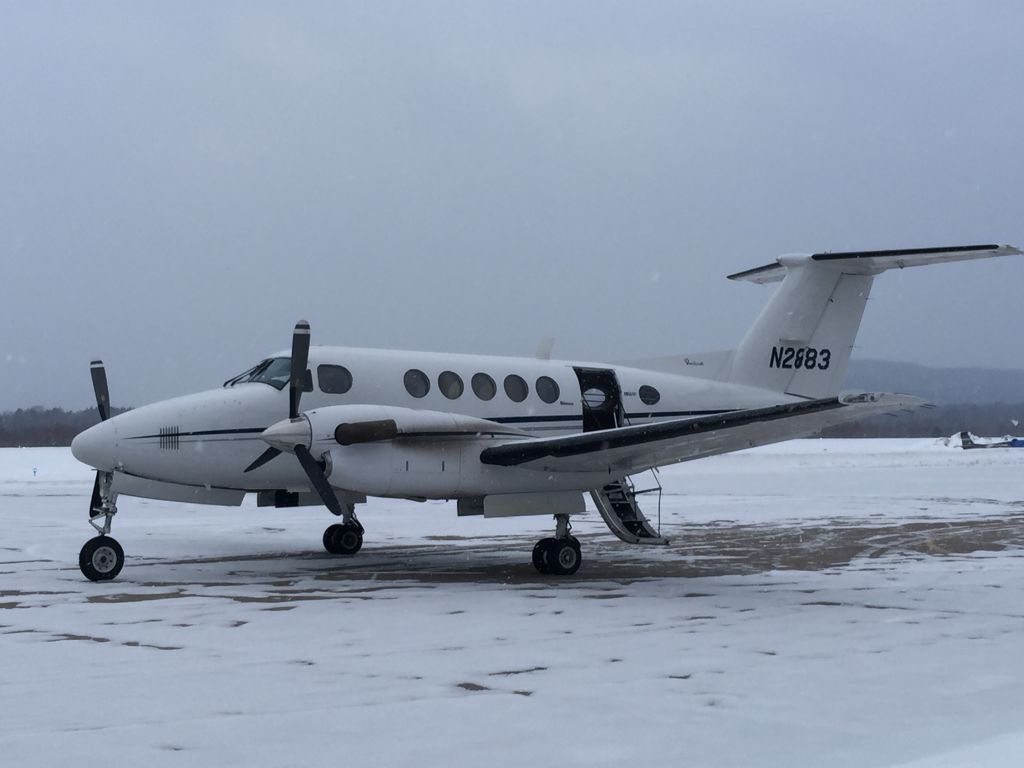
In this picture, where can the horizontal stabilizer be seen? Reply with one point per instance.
(874, 262)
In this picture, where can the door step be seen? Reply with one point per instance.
(617, 504)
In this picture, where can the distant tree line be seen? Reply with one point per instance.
(39, 426)
(54, 426)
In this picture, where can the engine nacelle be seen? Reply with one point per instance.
(393, 451)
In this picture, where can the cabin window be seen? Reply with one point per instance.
(450, 384)
(516, 388)
(484, 386)
(334, 379)
(649, 395)
(547, 389)
(595, 398)
(416, 383)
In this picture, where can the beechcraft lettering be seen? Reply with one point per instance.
(499, 436)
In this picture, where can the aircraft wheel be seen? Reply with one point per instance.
(101, 558)
(540, 555)
(564, 556)
(340, 539)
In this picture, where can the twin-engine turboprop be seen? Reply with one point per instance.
(502, 436)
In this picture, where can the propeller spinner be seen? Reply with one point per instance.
(293, 435)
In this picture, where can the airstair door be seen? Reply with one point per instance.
(601, 397)
(616, 501)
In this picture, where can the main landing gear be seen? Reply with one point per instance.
(344, 538)
(559, 556)
(102, 558)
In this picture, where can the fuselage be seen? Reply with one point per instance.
(209, 438)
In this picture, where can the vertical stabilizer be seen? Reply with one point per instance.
(801, 343)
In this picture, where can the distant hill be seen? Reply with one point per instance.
(942, 386)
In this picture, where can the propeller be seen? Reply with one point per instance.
(319, 480)
(263, 458)
(300, 358)
(290, 431)
(99, 386)
(102, 392)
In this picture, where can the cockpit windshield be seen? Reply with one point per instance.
(275, 371)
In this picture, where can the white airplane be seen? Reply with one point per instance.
(503, 436)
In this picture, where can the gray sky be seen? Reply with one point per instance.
(181, 182)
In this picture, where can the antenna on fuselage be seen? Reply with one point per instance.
(545, 347)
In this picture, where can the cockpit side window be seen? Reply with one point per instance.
(244, 376)
(275, 371)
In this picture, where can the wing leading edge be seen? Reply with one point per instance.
(634, 449)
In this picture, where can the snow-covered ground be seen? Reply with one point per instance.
(841, 603)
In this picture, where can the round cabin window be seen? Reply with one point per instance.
(547, 389)
(334, 379)
(484, 386)
(416, 383)
(649, 395)
(595, 398)
(450, 384)
(515, 388)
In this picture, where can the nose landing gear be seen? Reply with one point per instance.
(102, 558)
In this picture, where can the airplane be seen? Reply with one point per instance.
(501, 436)
(969, 442)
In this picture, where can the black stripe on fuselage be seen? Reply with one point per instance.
(676, 414)
(531, 419)
(209, 432)
(453, 433)
(497, 419)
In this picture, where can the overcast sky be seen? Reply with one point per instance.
(181, 182)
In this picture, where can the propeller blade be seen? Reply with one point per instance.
(99, 386)
(300, 357)
(263, 458)
(318, 479)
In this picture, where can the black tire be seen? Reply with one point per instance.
(540, 560)
(340, 539)
(329, 538)
(564, 556)
(101, 558)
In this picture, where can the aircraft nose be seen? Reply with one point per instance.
(96, 446)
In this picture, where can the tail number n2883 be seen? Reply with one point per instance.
(806, 358)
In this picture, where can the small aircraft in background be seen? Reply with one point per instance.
(502, 436)
(969, 441)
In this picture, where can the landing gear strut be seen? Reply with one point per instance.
(560, 555)
(102, 558)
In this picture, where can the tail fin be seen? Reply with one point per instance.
(801, 342)
(966, 442)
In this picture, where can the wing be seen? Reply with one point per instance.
(634, 449)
